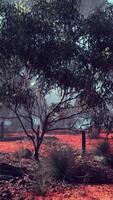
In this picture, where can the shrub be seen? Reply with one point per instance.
(89, 172)
(97, 175)
(62, 162)
(103, 148)
(103, 152)
(67, 165)
(23, 153)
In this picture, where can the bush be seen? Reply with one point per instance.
(67, 165)
(89, 172)
(23, 153)
(62, 162)
(103, 152)
(103, 148)
(97, 175)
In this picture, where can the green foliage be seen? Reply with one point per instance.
(56, 40)
(99, 39)
(48, 36)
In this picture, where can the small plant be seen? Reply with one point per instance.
(62, 162)
(103, 148)
(23, 153)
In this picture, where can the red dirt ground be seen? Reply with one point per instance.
(100, 192)
(69, 139)
(104, 192)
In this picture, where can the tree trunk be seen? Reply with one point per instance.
(36, 154)
(83, 142)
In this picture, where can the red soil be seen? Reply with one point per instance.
(75, 140)
(69, 139)
(100, 192)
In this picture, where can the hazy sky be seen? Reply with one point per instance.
(111, 1)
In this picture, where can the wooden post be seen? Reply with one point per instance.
(2, 130)
(83, 142)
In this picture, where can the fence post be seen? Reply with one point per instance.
(2, 130)
(83, 142)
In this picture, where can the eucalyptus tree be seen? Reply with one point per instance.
(54, 41)
(26, 95)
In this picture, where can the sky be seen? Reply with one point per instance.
(111, 1)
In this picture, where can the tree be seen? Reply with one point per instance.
(48, 43)
(61, 47)
(98, 92)
(27, 96)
